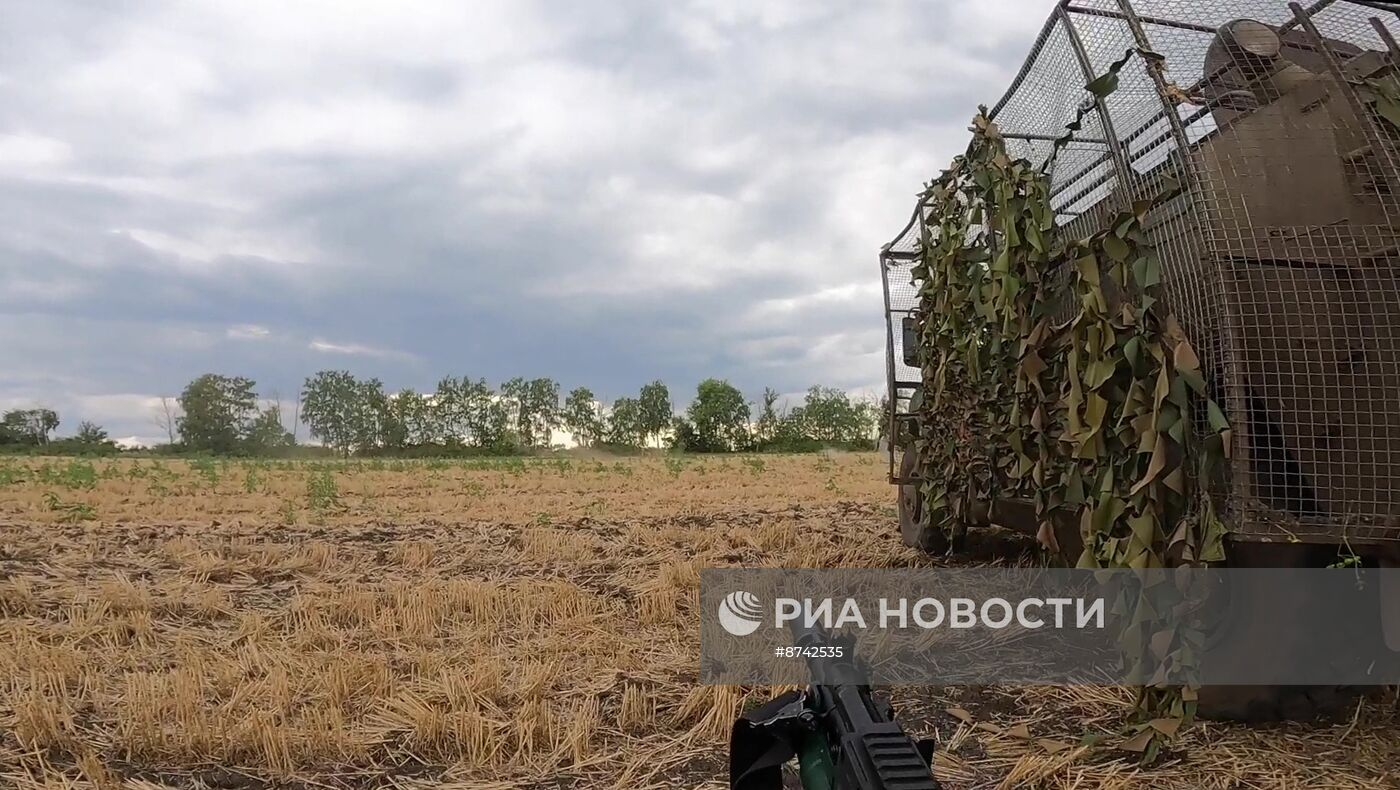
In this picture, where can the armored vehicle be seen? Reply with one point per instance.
(1280, 122)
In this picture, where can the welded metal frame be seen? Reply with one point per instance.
(1231, 273)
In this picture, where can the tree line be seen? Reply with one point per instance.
(32, 429)
(222, 414)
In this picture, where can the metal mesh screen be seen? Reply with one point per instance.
(1279, 255)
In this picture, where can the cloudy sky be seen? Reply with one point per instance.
(605, 193)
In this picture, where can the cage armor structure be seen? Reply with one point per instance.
(1280, 256)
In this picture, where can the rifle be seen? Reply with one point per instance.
(842, 737)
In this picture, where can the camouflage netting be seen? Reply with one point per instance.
(1089, 415)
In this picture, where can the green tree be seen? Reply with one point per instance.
(330, 409)
(466, 412)
(28, 426)
(625, 423)
(218, 412)
(418, 418)
(534, 406)
(828, 415)
(580, 416)
(544, 405)
(266, 432)
(654, 404)
(492, 426)
(717, 420)
(376, 423)
(769, 420)
(91, 433)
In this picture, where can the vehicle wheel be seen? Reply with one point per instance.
(913, 523)
(1254, 619)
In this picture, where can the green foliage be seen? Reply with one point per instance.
(69, 512)
(624, 424)
(218, 412)
(206, 468)
(267, 433)
(322, 493)
(28, 426)
(829, 416)
(1094, 416)
(78, 474)
(331, 409)
(415, 414)
(12, 474)
(675, 466)
(1383, 95)
(468, 413)
(581, 418)
(766, 431)
(654, 409)
(91, 434)
(375, 423)
(534, 408)
(716, 421)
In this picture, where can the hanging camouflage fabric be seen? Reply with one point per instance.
(1092, 412)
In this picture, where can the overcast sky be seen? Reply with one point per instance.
(604, 193)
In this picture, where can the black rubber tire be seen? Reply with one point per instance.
(1272, 621)
(914, 529)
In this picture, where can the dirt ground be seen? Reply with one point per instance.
(513, 623)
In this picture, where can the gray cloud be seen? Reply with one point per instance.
(602, 192)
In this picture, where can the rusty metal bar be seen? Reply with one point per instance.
(1307, 14)
(1115, 148)
(1049, 138)
(1334, 66)
(1148, 20)
(889, 356)
(1154, 71)
(1384, 33)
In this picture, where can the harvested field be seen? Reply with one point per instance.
(493, 623)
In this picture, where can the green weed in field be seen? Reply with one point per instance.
(321, 491)
(69, 512)
(207, 468)
(78, 474)
(11, 474)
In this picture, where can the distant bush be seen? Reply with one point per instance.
(803, 445)
(440, 451)
(61, 447)
(613, 448)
